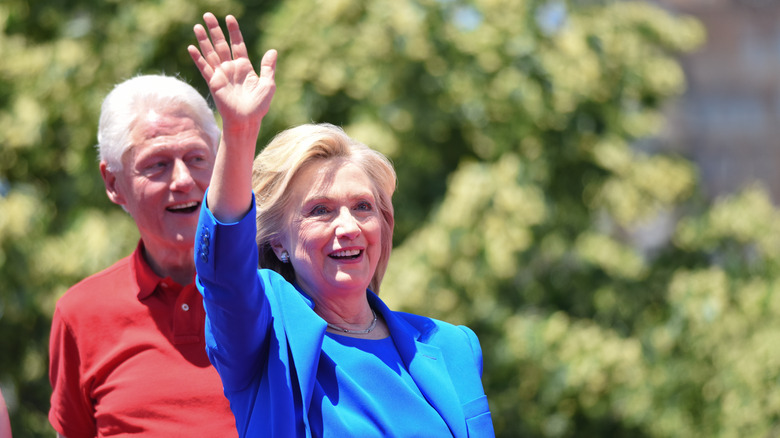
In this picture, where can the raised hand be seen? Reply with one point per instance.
(242, 99)
(240, 95)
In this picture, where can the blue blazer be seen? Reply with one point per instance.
(264, 339)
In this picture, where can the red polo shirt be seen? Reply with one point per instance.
(127, 356)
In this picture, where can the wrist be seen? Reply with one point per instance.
(240, 133)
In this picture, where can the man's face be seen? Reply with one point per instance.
(164, 176)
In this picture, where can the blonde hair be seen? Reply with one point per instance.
(283, 158)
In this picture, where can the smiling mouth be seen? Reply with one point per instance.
(346, 255)
(186, 208)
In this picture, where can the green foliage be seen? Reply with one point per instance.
(532, 204)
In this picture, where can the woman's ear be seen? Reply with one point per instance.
(281, 253)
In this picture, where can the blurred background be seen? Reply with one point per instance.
(727, 119)
(588, 184)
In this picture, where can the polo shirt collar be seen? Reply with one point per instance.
(146, 279)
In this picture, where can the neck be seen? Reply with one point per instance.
(350, 315)
(168, 262)
(364, 331)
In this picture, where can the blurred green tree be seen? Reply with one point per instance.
(529, 184)
(534, 204)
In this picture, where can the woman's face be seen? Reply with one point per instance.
(334, 229)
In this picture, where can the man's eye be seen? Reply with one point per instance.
(157, 165)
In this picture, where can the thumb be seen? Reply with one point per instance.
(268, 65)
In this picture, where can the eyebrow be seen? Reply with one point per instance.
(190, 147)
(321, 198)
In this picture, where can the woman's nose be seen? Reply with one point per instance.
(346, 224)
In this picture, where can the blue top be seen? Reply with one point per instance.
(365, 390)
(280, 375)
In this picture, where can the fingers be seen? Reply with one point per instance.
(203, 66)
(214, 54)
(206, 59)
(221, 48)
(268, 65)
(214, 47)
(236, 38)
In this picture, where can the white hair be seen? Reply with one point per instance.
(137, 96)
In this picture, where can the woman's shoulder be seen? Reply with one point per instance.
(428, 328)
(458, 343)
(434, 329)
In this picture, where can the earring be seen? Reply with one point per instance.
(284, 257)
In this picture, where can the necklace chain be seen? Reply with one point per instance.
(356, 332)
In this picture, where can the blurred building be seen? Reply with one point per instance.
(728, 121)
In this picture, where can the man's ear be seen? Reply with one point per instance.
(112, 189)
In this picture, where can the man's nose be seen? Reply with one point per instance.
(182, 177)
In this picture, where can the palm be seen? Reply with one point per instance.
(238, 91)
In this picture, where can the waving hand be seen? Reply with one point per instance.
(242, 98)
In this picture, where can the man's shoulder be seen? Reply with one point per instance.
(95, 288)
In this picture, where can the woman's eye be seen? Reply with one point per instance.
(319, 210)
(365, 206)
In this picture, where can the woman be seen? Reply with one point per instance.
(303, 345)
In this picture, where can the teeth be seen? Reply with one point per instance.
(183, 206)
(349, 253)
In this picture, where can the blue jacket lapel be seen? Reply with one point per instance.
(426, 366)
(305, 332)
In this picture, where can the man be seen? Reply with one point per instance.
(127, 349)
(5, 422)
